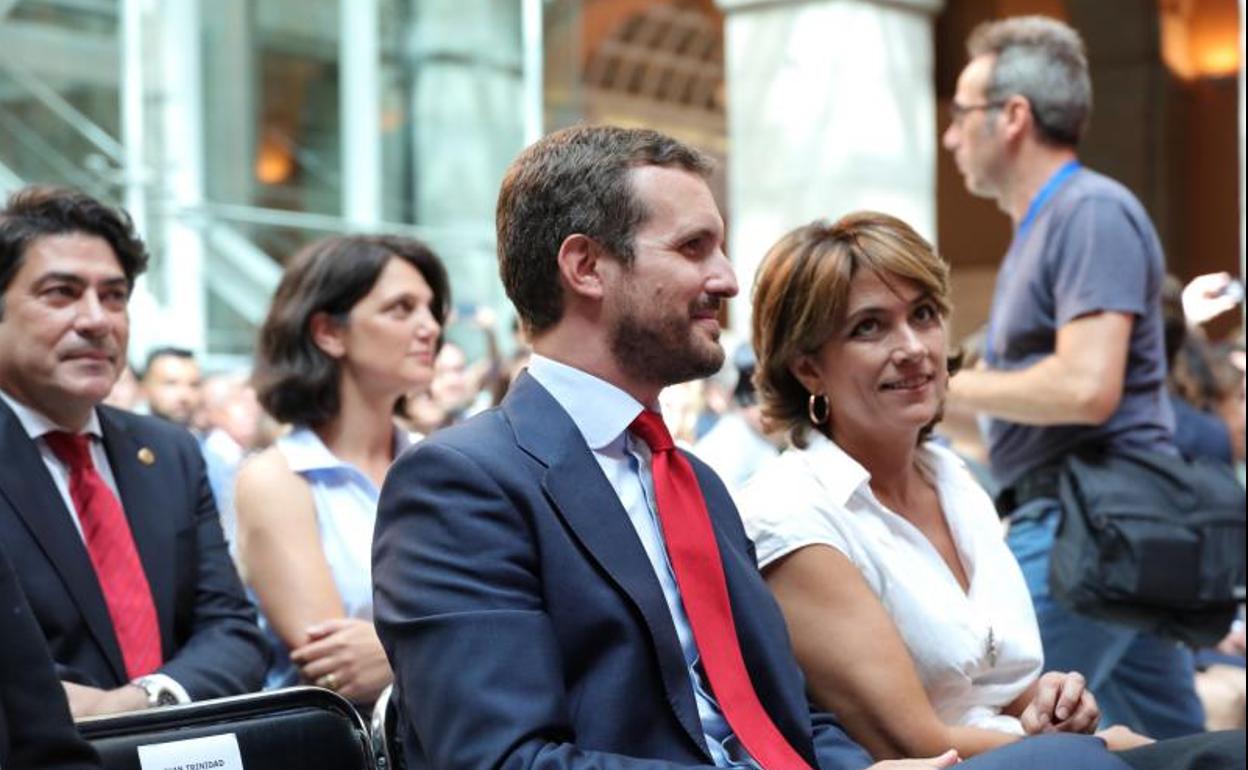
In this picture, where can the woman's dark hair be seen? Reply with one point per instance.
(295, 380)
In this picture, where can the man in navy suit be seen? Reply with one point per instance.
(524, 589)
(35, 726)
(107, 516)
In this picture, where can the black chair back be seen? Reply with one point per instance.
(387, 749)
(304, 727)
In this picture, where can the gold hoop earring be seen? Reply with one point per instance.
(813, 409)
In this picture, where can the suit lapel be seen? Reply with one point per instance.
(30, 490)
(140, 486)
(587, 503)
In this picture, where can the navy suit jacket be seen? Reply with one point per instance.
(35, 726)
(525, 624)
(211, 643)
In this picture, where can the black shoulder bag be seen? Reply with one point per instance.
(1151, 541)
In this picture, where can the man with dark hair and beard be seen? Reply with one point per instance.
(557, 586)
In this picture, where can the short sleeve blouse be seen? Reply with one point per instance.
(975, 651)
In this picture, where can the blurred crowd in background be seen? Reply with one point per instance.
(716, 416)
(719, 419)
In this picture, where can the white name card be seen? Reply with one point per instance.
(214, 752)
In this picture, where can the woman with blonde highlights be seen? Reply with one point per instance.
(908, 614)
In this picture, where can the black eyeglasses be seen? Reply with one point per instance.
(959, 111)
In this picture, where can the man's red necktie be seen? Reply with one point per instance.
(703, 591)
(113, 554)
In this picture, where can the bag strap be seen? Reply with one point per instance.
(1043, 481)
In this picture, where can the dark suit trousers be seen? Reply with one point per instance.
(1061, 751)
(1203, 751)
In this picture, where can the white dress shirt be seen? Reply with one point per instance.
(976, 650)
(602, 414)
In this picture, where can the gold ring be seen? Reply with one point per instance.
(329, 681)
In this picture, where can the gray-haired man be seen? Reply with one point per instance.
(1074, 350)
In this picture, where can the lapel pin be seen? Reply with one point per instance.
(147, 456)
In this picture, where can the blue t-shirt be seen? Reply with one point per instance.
(1090, 248)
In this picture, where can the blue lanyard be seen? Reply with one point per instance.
(1046, 192)
(1037, 203)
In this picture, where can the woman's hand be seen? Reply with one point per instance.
(1062, 703)
(948, 759)
(345, 655)
(1119, 738)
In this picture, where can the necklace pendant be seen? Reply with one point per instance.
(992, 648)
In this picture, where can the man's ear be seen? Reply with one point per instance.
(1016, 117)
(580, 260)
(327, 335)
(803, 368)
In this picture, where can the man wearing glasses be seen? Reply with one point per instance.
(1074, 348)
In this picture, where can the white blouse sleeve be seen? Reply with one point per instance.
(784, 510)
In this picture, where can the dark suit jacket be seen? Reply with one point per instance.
(525, 624)
(212, 646)
(35, 727)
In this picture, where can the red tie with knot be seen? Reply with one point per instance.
(113, 554)
(703, 591)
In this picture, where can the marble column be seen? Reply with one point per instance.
(174, 146)
(468, 122)
(831, 108)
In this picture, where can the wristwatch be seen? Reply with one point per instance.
(158, 692)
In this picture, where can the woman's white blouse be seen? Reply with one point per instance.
(821, 496)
